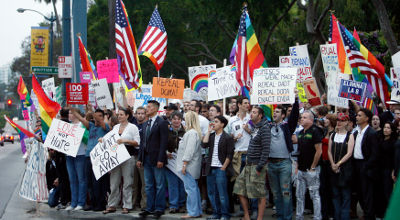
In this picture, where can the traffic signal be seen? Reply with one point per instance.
(9, 102)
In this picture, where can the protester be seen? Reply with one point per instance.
(152, 156)
(308, 170)
(376, 123)
(204, 110)
(251, 181)
(213, 112)
(176, 190)
(186, 106)
(389, 114)
(189, 164)
(341, 145)
(52, 179)
(169, 110)
(232, 107)
(130, 138)
(218, 166)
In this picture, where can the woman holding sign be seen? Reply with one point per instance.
(129, 136)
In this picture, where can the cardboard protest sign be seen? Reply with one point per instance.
(189, 95)
(49, 87)
(108, 154)
(395, 77)
(142, 96)
(77, 93)
(108, 69)
(285, 61)
(85, 77)
(171, 165)
(329, 58)
(396, 59)
(222, 83)
(168, 88)
(64, 137)
(198, 78)
(312, 92)
(301, 93)
(33, 185)
(333, 80)
(103, 96)
(352, 90)
(273, 86)
(300, 59)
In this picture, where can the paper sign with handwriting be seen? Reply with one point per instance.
(395, 77)
(108, 69)
(85, 77)
(103, 96)
(333, 81)
(222, 83)
(285, 61)
(312, 92)
(329, 57)
(168, 88)
(301, 60)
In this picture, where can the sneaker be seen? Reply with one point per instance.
(254, 215)
(69, 208)
(78, 208)
(238, 214)
(61, 206)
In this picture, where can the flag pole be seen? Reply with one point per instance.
(158, 72)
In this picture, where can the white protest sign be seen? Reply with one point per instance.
(49, 87)
(143, 96)
(222, 84)
(108, 154)
(273, 86)
(301, 60)
(92, 96)
(33, 185)
(396, 59)
(171, 165)
(189, 95)
(64, 137)
(285, 61)
(34, 100)
(333, 80)
(117, 92)
(198, 78)
(329, 58)
(395, 77)
(103, 96)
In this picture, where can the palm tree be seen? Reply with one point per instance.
(54, 2)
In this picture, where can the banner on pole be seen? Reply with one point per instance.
(312, 92)
(168, 88)
(77, 93)
(352, 90)
(108, 69)
(301, 60)
(273, 86)
(39, 46)
(198, 78)
(222, 83)
(103, 96)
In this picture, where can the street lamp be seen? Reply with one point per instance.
(51, 20)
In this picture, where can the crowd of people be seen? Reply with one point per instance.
(197, 158)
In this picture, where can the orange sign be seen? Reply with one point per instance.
(168, 88)
(312, 92)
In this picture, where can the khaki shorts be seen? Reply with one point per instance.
(249, 184)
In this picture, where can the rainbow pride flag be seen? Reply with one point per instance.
(48, 107)
(23, 133)
(334, 37)
(87, 64)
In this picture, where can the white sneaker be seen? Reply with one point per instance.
(78, 208)
(69, 208)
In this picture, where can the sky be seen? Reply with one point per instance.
(17, 26)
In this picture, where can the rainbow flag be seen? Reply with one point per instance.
(23, 133)
(87, 64)
(48, 107)
(335, 37)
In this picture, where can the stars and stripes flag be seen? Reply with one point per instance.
(126, 48)
(154, 42)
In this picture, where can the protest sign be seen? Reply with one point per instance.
(171, 165)
(222, 83)
(301, 93)
(273, 86)
(333, 80)
(65, 67)
(33, 185)
(189, 95)
(77, 93)
(352, 90)
(168, 88)
(198, 78)
(85, 77)
(64, 137)
(118, 95)
(108, 154)
(92, 95)
(103, 96)
(300, 60)
(142, 96)
(329, 57)
(396, 59)
(395, 77)
(108, 69)
(285, 61)
(312, 92)
(49, 87)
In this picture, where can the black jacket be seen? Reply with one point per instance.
(369, 148)
(225, 150)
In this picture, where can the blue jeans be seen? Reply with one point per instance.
(155, 186)
(77, 179)
(176, 190)
(341, 197)
(193, 201)
(54, 197)
(253, 202)
(279, 176)
(218, 193)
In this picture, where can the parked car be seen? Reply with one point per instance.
(1, 140)
(8, 137)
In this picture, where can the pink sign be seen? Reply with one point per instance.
(108, 69)
(86, 77)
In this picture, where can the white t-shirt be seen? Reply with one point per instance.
(339, 138)
(235, 127)
(215, 160)
(203, 125)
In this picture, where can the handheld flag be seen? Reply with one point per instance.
(87, 64)
(23, 133)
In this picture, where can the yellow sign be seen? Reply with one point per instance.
(301, 93)
(39, 46)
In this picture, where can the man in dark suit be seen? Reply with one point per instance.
(152, 156)
(365, 158)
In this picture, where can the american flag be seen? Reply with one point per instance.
(357, 60)
(241, 60)
(126, 47)
(154, 43)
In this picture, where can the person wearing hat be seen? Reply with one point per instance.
(340, 150)
(169, 110)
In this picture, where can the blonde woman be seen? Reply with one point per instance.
(189, 163)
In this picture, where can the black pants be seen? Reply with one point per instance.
(325, 190)
(365, 189)
(97, 188)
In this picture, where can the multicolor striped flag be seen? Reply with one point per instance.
(154, 42)
(335, 37)
(126, 48)
(23, 92)
(48, 108)
(87, 64)
(23, 133)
